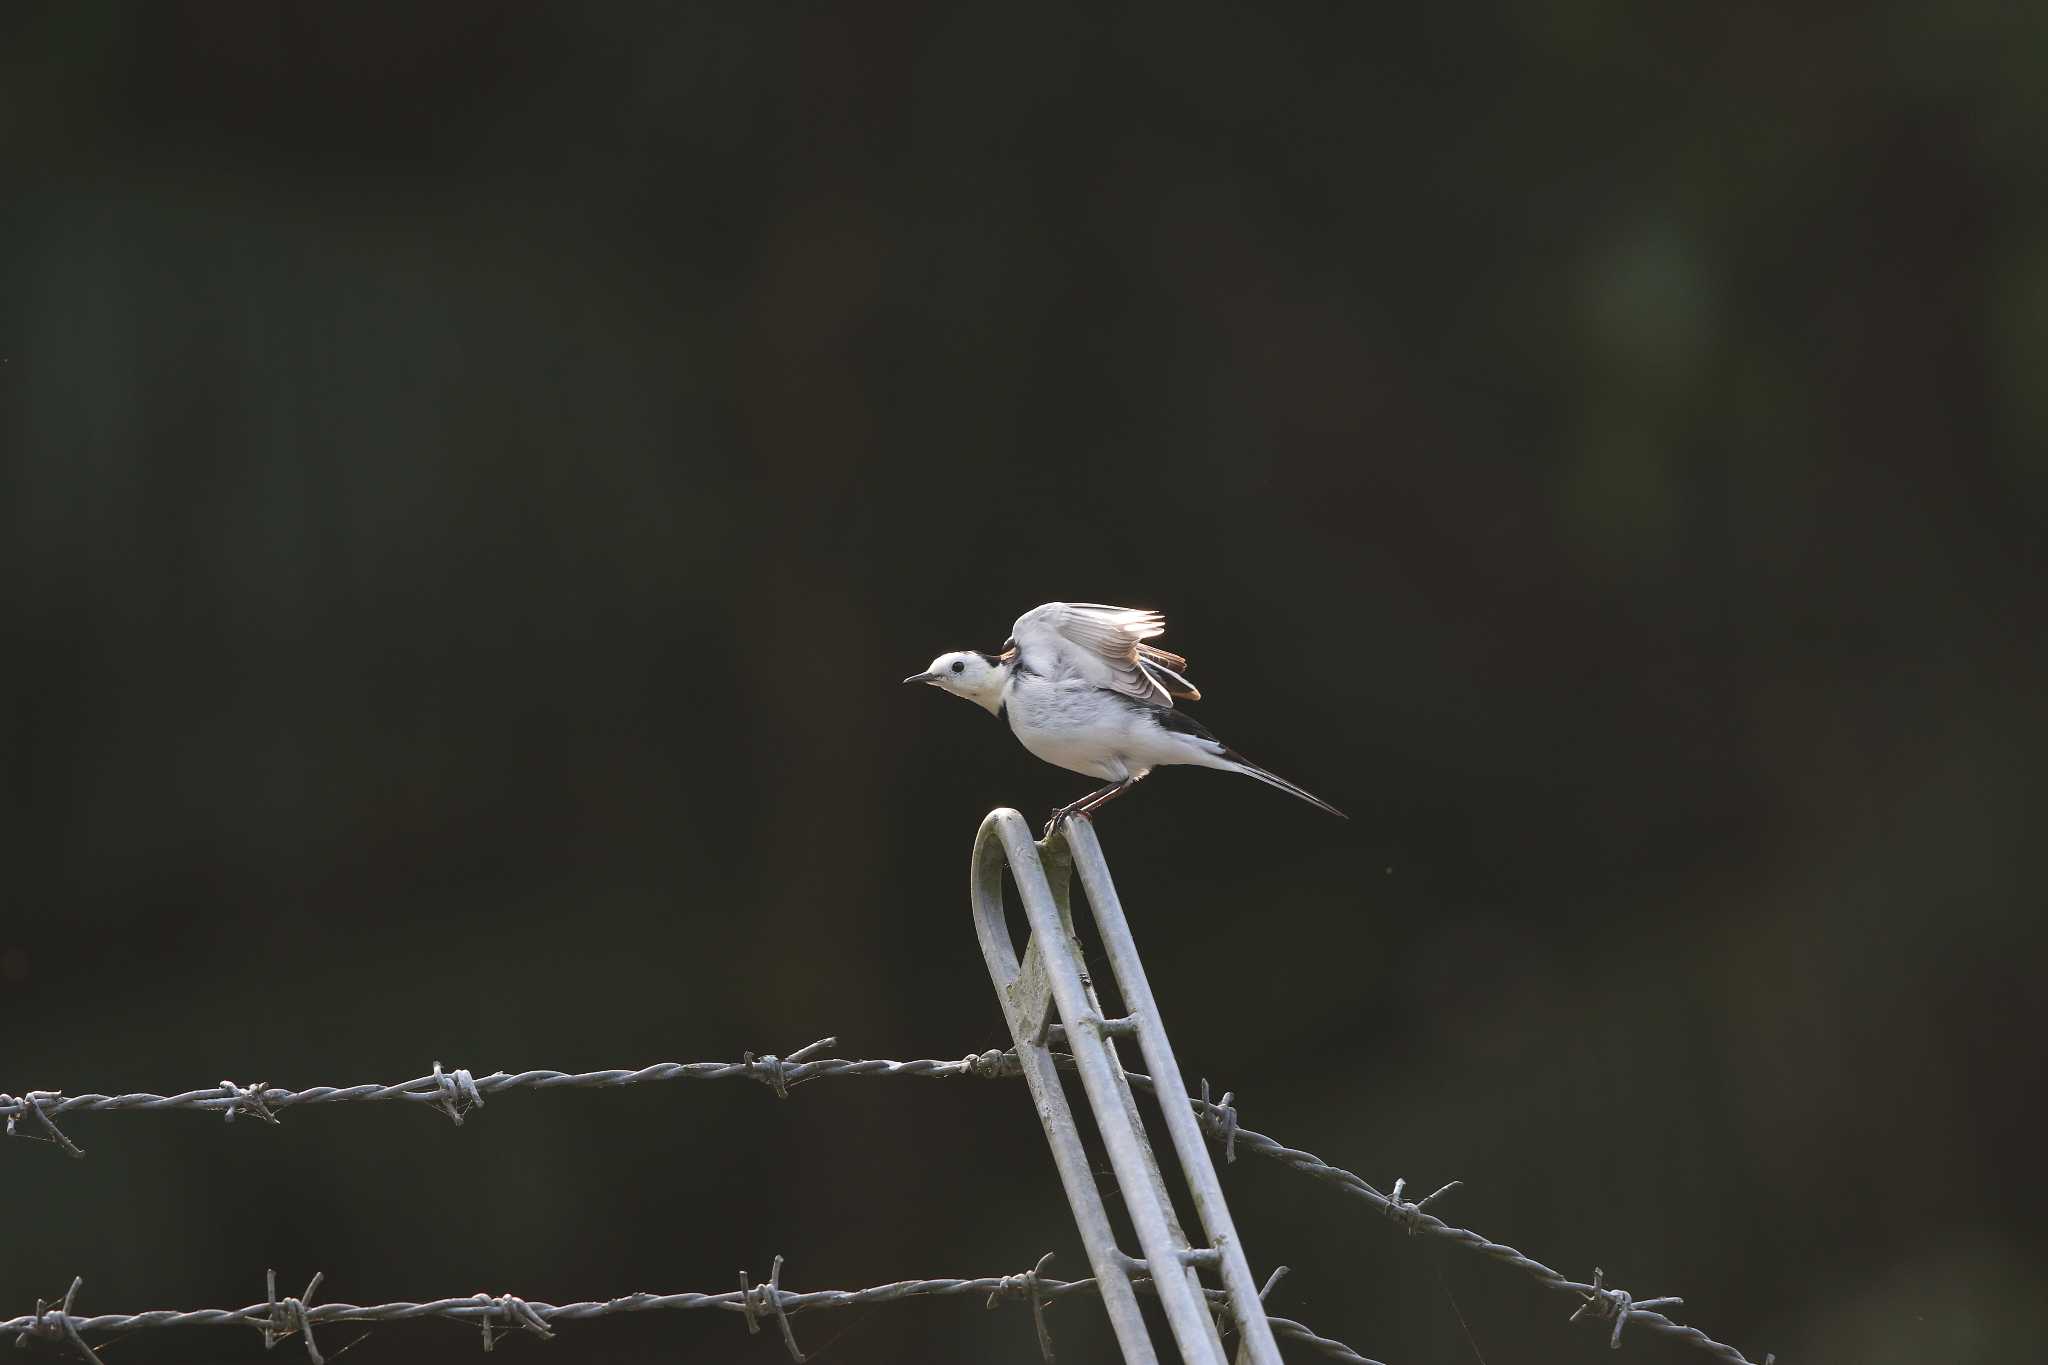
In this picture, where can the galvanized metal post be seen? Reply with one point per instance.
(1051, 978)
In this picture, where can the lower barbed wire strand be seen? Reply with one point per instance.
(787, 1073)
(473, 1309)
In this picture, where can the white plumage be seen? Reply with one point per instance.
(1083, 690)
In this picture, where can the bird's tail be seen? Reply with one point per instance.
(1238, 763)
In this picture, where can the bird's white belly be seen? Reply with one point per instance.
(1081, 753)
(1075, 730)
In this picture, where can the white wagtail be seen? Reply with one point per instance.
(1083, 691)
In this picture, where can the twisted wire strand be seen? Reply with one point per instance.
(489, 1312)
(780, 1074)
(1596, 1299)
(431, 1089)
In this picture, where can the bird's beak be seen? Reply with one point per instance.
(922, 677)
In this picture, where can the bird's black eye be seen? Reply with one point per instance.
(959, 665)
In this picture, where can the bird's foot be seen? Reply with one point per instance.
(1088, 804)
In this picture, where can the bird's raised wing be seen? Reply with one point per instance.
(1104, 645)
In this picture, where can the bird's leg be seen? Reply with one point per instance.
(1082, 806)
(1090, 803)
(1107, 795)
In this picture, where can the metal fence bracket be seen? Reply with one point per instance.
(1051, 982)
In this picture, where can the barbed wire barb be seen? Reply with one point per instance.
(456, 1094)
(1028, 1286)
(65, 1325)
(773, 1071)
(1244, 1355)
(283, 1317)
(1405, 1212)
(1219, 1121)
(770, 1295)
(1602, 1302)
(31, 1102)
(247, 1100)
(518, 1314)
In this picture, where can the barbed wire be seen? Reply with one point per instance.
(455, 1093)
(495, 1315)
(1597, 1300)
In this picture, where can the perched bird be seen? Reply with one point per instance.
(1083, 691)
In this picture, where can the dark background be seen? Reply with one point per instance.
(475, 474)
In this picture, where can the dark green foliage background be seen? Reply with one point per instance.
(474, 475)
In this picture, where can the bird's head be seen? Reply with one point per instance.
(967, 673)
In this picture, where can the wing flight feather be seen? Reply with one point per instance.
(1106, 646)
